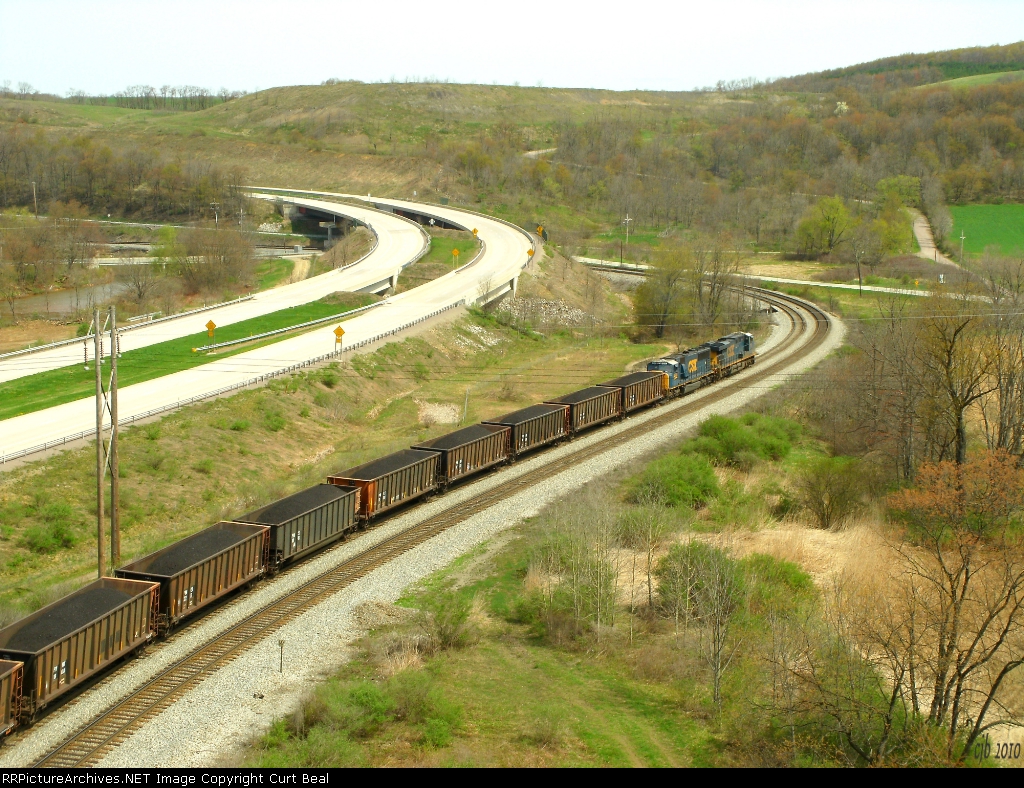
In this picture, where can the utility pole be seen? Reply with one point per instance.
(962, 238)
(35, 202)
(101, 563)
(216, 214)
(115, 482)
(626, 222)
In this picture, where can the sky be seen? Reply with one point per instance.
(102, 46)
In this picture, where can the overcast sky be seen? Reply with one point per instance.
(105, 45)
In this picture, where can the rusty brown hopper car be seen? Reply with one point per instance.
(64, 643)
(640, 389)
(11, 675)
(468, 450)
(307, 520)
(203, 567)
(535, 426)
(391, 480)
(590, 406)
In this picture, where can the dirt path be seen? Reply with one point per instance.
(925, 239)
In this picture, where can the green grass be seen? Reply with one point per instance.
(441, 251)
(977, 79)
(271, 273)
(58, 386)
(987, 225)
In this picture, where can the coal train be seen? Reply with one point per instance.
(57, 648)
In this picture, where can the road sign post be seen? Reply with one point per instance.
(455, 258)
(339, 332)
(210, 328)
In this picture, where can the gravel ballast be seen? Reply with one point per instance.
(244, 697)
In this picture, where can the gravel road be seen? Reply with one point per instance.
(225, 711)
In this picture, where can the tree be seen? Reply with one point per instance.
(660, 299)
(826, 226)
(716, 597)
(964, 568)
(1003, 410)
(956, 359)
(141, 280)
(10, 287)
(711, 274)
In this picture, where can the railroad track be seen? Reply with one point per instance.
(113, 726)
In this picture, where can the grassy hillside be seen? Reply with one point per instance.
(915, 68)
(983, 79)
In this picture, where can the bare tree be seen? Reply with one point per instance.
(711, 274)
(140, 279)
(10, 287)
(956, 361)
(716, 598)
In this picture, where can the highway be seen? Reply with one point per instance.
(399, 242)
(503, 257)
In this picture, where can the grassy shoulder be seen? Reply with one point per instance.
(222, 458)
(67, 384)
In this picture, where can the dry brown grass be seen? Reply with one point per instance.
(29, 332)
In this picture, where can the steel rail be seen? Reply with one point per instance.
(113, 726)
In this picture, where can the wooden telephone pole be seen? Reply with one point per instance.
(97, 337)
(115, 481)
(106, 456)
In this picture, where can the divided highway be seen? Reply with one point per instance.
(399, 242)
(493, 272)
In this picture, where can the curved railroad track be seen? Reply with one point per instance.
(108, 729)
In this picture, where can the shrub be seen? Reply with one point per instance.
(420, 371)
(448, 621)
(274, 421)
(329, 378)
(736, 507)
(204, 467)
(151, 432)
(56, 532)
(675, 480)
(830, 488)
(745, 441)
(239, 426)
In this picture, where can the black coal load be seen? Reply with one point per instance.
(294, 505)
(192, 550)
(73, 614)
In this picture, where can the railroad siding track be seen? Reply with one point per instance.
(113, 726)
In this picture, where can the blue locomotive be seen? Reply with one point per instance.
(706, 363)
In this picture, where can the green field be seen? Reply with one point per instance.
(55, 387)
(987, 225)
(978, 79)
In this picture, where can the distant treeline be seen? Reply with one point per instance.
(183, 98)
(131, 179)
(913, 69)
